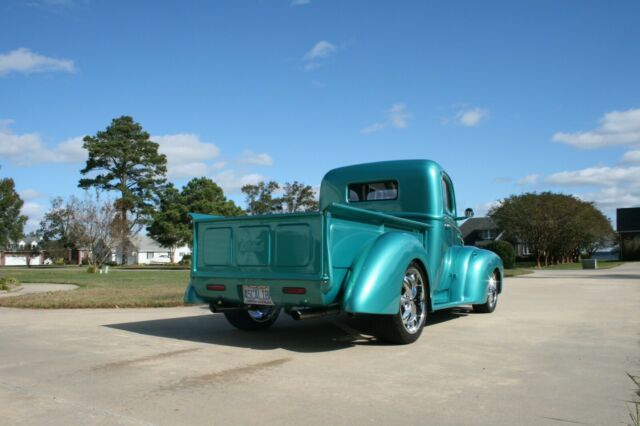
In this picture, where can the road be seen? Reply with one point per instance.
(555, 352)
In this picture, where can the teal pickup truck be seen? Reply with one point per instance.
(385, 242)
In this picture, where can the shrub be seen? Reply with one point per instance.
(7, 283)
(505, 250)
(186, 260)
(60, 261)
(92, 269)
(85, 261)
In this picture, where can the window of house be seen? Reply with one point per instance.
(488, 234)
(373, 191)
(149, 255)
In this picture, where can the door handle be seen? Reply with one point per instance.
(448, 226)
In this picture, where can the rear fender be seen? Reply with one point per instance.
(479, 265)
(374, 285)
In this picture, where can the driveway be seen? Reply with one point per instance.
(555, 352)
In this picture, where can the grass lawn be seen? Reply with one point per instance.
(528, 267)
(120, 288)
(517, 271)
(602, 264)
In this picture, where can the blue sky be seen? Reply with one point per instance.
(507, 96)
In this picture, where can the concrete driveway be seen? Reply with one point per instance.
(556, 351)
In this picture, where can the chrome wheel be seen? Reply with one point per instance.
(412, 301)
(492, 291)
(263, 314)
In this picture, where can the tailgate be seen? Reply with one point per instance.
(286, 246)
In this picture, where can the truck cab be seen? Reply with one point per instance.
(385, 242)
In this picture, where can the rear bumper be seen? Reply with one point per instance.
(314, 295)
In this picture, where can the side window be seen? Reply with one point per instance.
(447, 196)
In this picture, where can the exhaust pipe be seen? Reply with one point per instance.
(303, 314)
(221, 309)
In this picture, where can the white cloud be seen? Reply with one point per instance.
(613, 198)
(483, 209)
(319, 52)
(25, 61)
(616, 128)
(531, 179)
(187, 155)
(30, 194)
(231, 182)
(322, 49)
(631, 157)
(28, 149)
(471, 117)
(397, 116)
(375, 127)
(34, 213)
(70, 151)
(300, 2)
(250, 157)
(598, 176)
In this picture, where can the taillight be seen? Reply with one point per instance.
(294, 290)
(216, 287)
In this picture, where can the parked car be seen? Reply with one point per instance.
(385, 243)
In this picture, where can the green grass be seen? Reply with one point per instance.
(120, 288)
(528, 267)
(517, 271)
(602, 264)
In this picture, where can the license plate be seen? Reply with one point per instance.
(257, 295)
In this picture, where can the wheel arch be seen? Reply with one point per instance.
(423, 267)
(373, 284)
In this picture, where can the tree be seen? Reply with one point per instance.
(166, 224)
(171, 224)
(97, 225)
(558, 227)
(260, 198)
(56, 229)
(298, 197)
(11, 221)
(126, 161)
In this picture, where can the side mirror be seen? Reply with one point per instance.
(468, 213)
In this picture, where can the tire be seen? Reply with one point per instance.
(492, 296)
(406, 326)
(253, 319)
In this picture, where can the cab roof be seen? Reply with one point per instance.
(419, 185)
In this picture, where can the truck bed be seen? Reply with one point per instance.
(313, 251)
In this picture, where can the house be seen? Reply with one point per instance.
(628, 227)
(144, 251)
(24, 252)
(482, 231)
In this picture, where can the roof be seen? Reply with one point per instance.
(417, 180)
(477, 224)
(144, 243)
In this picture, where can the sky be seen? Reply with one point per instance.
(509, 96)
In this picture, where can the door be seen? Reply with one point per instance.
(451, 237)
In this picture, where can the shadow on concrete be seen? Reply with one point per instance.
(313, 335)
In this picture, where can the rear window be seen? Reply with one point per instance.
(373, 191)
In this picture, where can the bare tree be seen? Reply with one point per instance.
(96, 227)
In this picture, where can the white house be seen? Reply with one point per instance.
(24, 252)
(145, 251)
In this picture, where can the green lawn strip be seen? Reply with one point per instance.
(124, 289)
(602, 264)
(517, 271)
